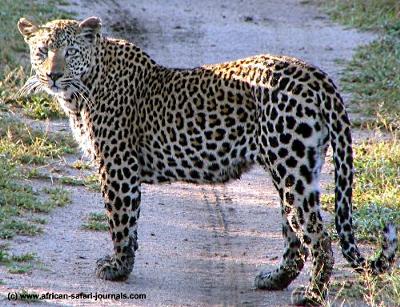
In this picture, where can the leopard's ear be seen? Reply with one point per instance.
(26, 27)
(89, 28)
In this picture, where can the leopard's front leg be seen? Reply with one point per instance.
(121, 193)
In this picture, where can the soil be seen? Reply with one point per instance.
(198, 245)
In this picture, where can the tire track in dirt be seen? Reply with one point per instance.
(222, 243)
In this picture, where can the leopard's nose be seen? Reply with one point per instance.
(55, 76)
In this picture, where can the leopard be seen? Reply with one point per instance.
(145, 123)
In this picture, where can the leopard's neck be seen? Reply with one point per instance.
(116, 82)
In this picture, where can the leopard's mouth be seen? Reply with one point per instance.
(55, 88)
(59, 92)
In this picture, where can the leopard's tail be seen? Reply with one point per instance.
(337, 121)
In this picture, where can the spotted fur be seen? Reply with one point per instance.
(145, 123)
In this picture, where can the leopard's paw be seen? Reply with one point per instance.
(268, 280)
(303, 296)
(109, 268)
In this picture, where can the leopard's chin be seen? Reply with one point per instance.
(63, 93)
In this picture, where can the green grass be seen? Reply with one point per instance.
(376, 194)
(13, 227)
(20, 268)
(34, 173)
(382, 290)
(18, 264)
(23, 257)
(92, 182)
(58, 197)
(69, 180)
(18, 202)
(39, 220)
(21, 143)
(372, 76)
(96, 221)
(377, 182)
(15, 201)
(40, 106)
(365, 14)
(377, 166)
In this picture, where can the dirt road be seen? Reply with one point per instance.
(199, 245)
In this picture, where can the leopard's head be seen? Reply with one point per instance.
(61, 53)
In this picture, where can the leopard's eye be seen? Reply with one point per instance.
(43, 52)
(71, 52)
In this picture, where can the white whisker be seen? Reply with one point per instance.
(82, 92)
(32, 85)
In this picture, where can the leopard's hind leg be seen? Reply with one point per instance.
(294, 256)
(295, 165)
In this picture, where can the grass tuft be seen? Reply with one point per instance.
(17, 264)
(58, 197)
(70, 180)
(92, 182)
(14, 227)
(23, 257)
(96, 221)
